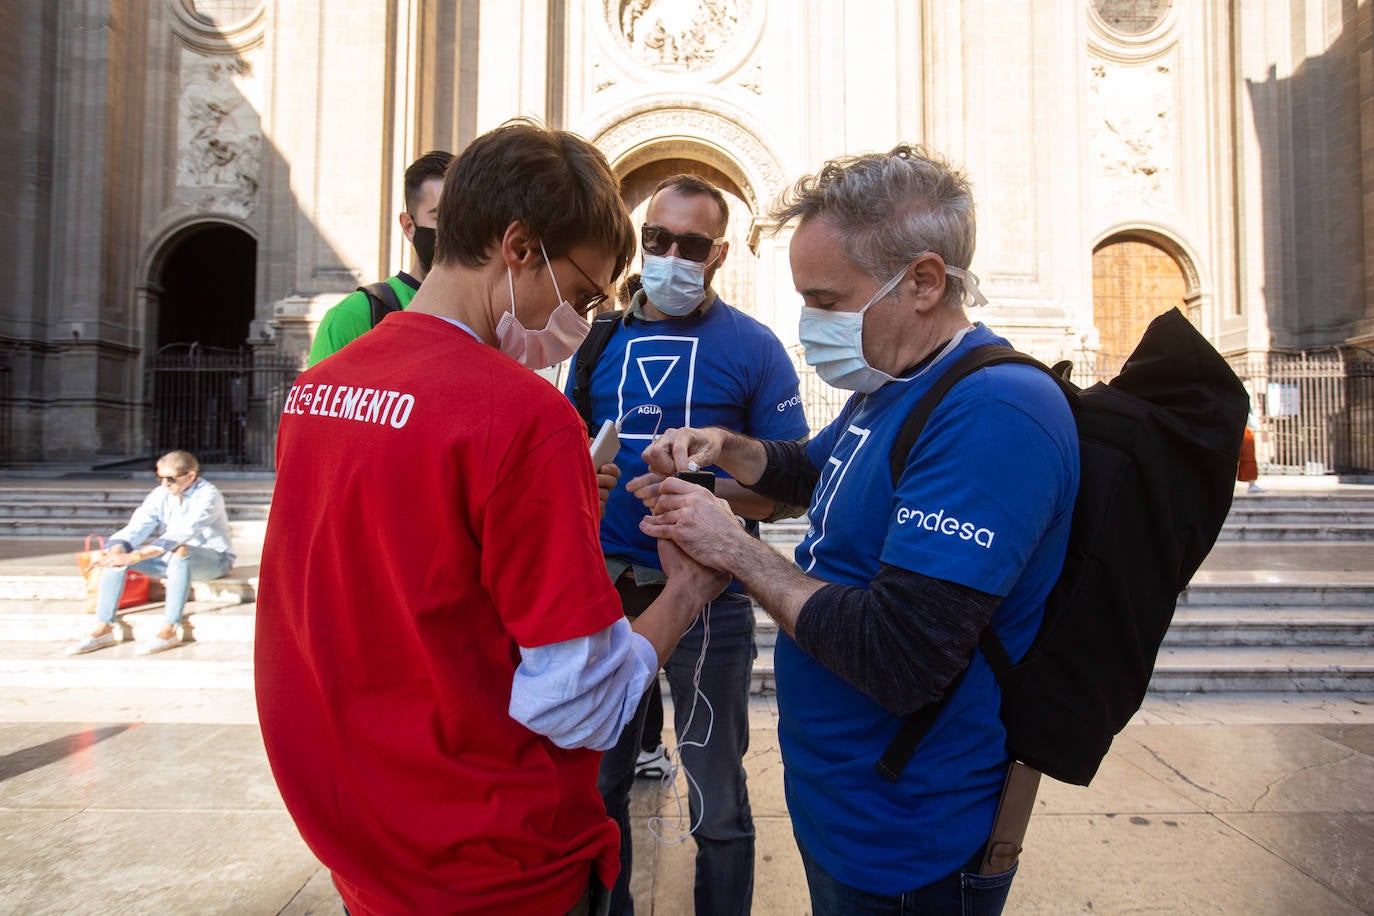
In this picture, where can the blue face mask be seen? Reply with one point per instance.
(675, 286)
(834, 341)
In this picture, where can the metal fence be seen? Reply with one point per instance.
(1315, 410)
(222, 405)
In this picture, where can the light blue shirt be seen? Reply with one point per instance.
(581, 692)
(196, 518)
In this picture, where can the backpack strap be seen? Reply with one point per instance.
(914, 728)
(382, 298)
(585, 360)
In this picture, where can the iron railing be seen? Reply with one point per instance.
(1314, 410)
(221, 405)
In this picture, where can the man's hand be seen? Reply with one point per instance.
(645, 489)
(683, 571)
(606, 476)
(676, 449)
(702, 525)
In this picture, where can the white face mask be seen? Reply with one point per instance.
(675, 286)
(834, 341)
(559, 339)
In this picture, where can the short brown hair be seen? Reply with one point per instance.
(553, 181)
(688, 184)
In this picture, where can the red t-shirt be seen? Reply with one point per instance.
(435, 508)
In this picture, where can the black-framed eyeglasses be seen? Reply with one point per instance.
(587, 302)
(658, 241)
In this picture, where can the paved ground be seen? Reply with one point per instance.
(1243, 804)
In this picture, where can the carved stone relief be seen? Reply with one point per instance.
(677, 35)
(1133, 130)
(219, 134)
(764, 177)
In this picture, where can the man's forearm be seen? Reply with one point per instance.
(774, 581)
(743, 458)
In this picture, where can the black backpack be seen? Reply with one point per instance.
(382, 298)
(1158, 448)
(585, 360)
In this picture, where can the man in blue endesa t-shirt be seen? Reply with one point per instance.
(892, 586)
(682, 357)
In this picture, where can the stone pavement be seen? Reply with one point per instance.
(1240, 804)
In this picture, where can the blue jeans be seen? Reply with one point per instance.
(725, 837)
(963, 892)
(199, 563)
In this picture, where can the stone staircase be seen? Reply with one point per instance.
(1256, 618)
(1242, 629)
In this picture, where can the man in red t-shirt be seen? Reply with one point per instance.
(440, 654)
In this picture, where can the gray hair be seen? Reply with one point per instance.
(888, 208)
(182, 461)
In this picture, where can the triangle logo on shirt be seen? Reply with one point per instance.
(659, 366)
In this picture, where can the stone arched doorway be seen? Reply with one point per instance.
(205, 278)
(208, 391)
(1135, 279)
(736, 280)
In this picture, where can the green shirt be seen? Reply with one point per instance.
(351, 318)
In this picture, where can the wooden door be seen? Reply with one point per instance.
(1133, 282)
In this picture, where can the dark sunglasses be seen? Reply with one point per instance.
(658, 241)
(174, 478)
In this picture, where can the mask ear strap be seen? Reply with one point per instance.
(549, 264)
(510, 285)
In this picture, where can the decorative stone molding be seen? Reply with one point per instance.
(648, 131)
(207, 36)
(219, 135)
(681, 35)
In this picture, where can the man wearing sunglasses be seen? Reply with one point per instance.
(703, 363)
(183, 532)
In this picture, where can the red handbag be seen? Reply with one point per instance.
(136, 584)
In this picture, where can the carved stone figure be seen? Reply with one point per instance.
(219, 136)
(679, 34)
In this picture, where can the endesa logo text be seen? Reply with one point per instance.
(937, 522)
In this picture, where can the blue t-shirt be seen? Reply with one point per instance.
(721, 368)
(986, 501)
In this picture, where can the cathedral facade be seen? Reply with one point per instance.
(192, 183)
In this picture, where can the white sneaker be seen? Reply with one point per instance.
(1255, 488)
(92, 643)
(162, 645)
(650, 763)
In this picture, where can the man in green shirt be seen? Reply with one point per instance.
(351, 317)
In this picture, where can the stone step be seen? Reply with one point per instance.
(194, 665)
(221, 658)
(238, 587)
(58, 620)
(1219, 670)
(1212, 592)
(78, 527)
(1265, 626)
(1343, 627)
(1290, 531)
(120, 512)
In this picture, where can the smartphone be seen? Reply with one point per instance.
(700, 478)
(605, 445)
